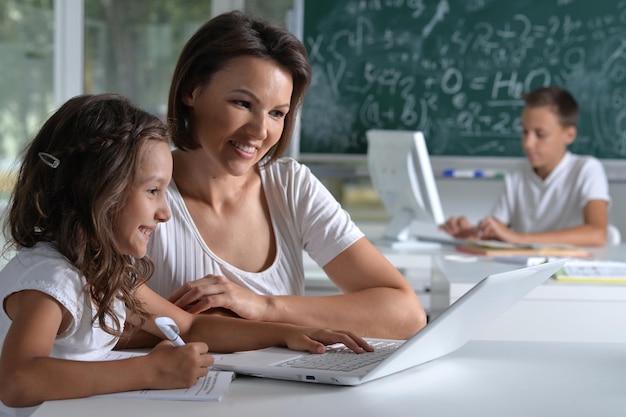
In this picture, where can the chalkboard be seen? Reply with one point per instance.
(455, 69)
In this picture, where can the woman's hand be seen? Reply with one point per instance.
(316, 340)
(217, 292)
(179, 367)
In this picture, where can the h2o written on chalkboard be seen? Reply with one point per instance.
(456, 69)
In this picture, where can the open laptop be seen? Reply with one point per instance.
(462, 321)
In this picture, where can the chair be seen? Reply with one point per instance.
(613, 235)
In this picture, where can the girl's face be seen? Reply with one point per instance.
(145, 206)
(240, 114)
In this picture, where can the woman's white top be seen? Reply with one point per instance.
(305, 217)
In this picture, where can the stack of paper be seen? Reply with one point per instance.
(580, 270)
(497, 248)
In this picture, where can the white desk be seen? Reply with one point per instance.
(482, 379)
(546, 375)
(555, 311)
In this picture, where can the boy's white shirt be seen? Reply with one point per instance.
(530, 204)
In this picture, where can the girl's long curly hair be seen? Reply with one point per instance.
(74, 206)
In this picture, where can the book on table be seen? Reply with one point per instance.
(589, 270)
(497, 248)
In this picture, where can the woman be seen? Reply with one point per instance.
(241, 215)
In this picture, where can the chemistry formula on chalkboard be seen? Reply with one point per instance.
(455, 70)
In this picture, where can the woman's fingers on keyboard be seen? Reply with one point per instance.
(354, 342)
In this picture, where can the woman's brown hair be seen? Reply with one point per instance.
(227, 36)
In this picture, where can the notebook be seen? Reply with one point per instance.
(462, 321)
(596, 271)
(497, 248)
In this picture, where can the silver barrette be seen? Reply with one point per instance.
(50, 160)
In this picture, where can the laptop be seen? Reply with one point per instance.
(463, 320)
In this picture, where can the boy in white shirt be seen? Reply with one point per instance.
(554, 196)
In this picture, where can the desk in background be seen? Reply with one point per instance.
(555, 311)
(484, 378)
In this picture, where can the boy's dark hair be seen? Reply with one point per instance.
(227, 36)
(559, 99)
(73, 204)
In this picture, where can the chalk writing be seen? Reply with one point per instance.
(456, 70)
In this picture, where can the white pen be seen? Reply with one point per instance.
(170, 330)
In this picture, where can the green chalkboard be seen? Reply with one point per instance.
(455, 70)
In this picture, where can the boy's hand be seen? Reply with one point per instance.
(491, 229)
(460, 228)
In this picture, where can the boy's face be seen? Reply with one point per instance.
(544, 139)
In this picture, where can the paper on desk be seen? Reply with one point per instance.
(497, 249)
(524, 260)
(597, 271)
(498, 244)
(212, 387)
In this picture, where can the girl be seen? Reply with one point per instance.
(90, 192)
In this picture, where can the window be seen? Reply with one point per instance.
(26, 47)
(131, 47)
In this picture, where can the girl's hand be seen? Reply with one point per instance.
(179, 367)
(217, 292)
(316, 340)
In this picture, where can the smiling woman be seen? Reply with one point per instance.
(242, 214)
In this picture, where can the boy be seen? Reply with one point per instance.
(554, 196)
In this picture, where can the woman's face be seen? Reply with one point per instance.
(241, 113)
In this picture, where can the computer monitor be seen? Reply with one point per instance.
(401, 173)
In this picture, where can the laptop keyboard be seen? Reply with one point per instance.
(341, 358)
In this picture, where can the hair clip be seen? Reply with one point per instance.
(50, 160)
